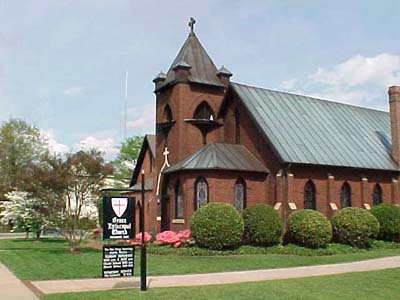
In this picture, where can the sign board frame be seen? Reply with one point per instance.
(121, 261)
(118, 218)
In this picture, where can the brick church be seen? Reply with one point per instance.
(221, 141)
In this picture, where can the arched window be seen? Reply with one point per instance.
(240, 195)
(203, 112)
(200, 192)
(345, 195)
(179, 205)
(309, 196)
(237, 126)
(167, 115)
(377, 195)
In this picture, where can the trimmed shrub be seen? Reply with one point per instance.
(309, 228)
(355, 227)
(388, 216)
(217, 226)
(262, 225)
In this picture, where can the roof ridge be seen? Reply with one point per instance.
(311, 97)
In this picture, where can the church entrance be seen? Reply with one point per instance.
(165, 213)
(165, 203)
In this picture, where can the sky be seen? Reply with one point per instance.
(63, 62)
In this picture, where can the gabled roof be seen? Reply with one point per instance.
(313, 131)
(201, 68)
(220, 156)
(149, 142)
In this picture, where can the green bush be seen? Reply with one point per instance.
(355, 226)
(217, 226)
(388, 216)
(309, 228)
(262, 225)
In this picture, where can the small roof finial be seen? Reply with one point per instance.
(191, 23)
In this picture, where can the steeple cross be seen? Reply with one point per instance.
(191, 23)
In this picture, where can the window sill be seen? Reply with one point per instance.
(178, 221)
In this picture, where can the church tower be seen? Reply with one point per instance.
(188, 98)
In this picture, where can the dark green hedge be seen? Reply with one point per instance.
(354, 226)
(388, 216)
(217, 226)
(309, 228)
(262, 225)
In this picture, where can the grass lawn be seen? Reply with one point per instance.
(49, 259)
(367, 286)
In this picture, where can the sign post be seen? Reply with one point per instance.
(143, 262)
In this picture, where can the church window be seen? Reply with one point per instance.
(237, 126)
(167, 115)
(201, 192)
(179, 205)
(240, 195)
(309, 196)
(345, 195)
(203, 112)
(377, 195)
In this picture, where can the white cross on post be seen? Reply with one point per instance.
(166, 164)
(165, 153)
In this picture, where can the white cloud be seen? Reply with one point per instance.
(98, 142)
(53, 145)
(143, 120)
(359, 80)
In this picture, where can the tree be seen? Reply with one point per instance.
(20, 145)
(70, 188)
(23, 213)
(127, 157)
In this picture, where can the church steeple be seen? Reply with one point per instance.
(192, 64)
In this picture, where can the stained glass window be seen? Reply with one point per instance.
(377, 195)
(201, 192)
(309, 196)
(179, 204)
(345, 195)
(240, 195)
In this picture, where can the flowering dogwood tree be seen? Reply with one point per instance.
(23, 213)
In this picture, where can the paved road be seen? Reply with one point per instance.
(11, 288)
(64, 286)
(10, 235)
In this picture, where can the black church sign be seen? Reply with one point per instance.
(118, 218)
(118, 261)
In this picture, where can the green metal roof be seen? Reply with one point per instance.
(313, 131)
(220, 156)
(193, 55)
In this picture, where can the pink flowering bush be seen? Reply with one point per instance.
(184, 234)
(176, 239)
(138, 239)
